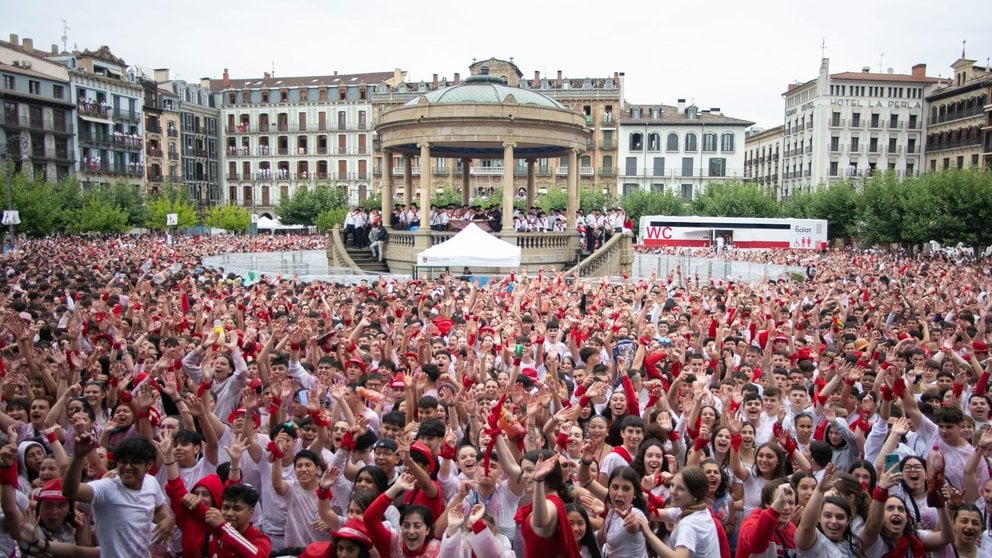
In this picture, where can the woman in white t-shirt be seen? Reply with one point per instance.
(825, 527)
(695, 534)
(621, 533)
(890, 531)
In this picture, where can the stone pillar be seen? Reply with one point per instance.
(573, 187)
(425, 186)
(407, 180)
(508, 186)
(466, 179)
(387, 185)
(531, 186)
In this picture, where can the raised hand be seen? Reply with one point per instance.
(456, 519)
(544, 467)
(329, 477)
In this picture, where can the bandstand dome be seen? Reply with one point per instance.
(485, 89)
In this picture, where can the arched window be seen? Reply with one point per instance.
(636, 141)
(690, 142)
(607, 162)
(709, 141)
(654, 142)
(673, 142)
(727, 142)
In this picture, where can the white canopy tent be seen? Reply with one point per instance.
(264, 223)
(471, 247)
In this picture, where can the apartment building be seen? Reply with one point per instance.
(679, 148)
(851, 124)
(282, 134)
(199, 140)
(109, 118)
(162, 124)
(957, 116)
(36, 129)
(763, 159)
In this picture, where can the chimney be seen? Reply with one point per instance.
(226, 79)
(14, 40)
(920, 71)
(161, 75)
(205, 82)
(267, 75)
(28, 44)
(434, 83)
(537, 79)
(681, 106)
(55, 49)
(616, 79)
(458, 78)
(558, 81)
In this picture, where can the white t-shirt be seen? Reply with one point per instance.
(612, 461)
(301, 512)
(620, 543)
(115, 507)
(825, 548)
(697, 533)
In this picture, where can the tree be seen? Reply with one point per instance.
(330, 218)
(556, 198)
(228, 217)
(640, 203)
(735, 199)
(99, 217)
(173, 199)
(838, 204)
(41, 204)
(881, 210)
(304, 205)
(594, 199)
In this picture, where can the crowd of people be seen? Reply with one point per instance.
(154, 406)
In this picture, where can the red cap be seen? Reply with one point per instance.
(399, 381)
(357, 362)
(51, 492)
(444, 324)
(241, 411)
(979, 347)
(530, 372)
(354, 530)
(422, 449)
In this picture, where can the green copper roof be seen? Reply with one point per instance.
(487, 90)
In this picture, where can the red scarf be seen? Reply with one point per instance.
(907, 545)
(564, 528)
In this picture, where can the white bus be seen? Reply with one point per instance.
(736, 232)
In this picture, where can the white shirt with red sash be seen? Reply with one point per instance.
(618, 457)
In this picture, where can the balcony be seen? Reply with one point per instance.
(233, 176)
(94, 109)
(154, 177)
(561, 171)
(838, 122)
(608, 171)
(94, 138)
(242, 128)
(235, 151)
(263, 150)
(607, 144)
(322, 150)
(153, 128)
(125, 114)
(486, 171)
(173, 133)
(837, 148)
(590, 143)
(912, 125)
(543, 171)
(586, 171)
(153, 152)
(608, 119)
(855, 149)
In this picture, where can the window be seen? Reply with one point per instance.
(654, 142)
(672, 142)
(657, 188)
(911, 145)
(874, 120)
(912, 122)
(629, 188)
(687, 192)
(690, 142)
(855, 119)
(34, 87)
(873, 145)
(636, 142)
(8, 82)
(687, 166)
(718, 166)
(58, 92)
(960, 162)
(727, 142)
(835, 119)
(833, 168)
(659, 166)
(894, 121)
(855, 147)
(892, 145)
(709, 141)
(910, 169)
(630, 168)
(834, 143)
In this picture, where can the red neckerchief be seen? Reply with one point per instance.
(907, 545)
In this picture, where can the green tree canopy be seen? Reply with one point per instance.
(228, 217)
(173, 199)
(99, 217)
(736, 199)
(304, 205)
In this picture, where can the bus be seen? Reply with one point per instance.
(732, 232)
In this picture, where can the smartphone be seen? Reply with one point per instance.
(892, 461)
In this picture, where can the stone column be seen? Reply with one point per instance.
(508, 186)
(407, 180)
(573, 187)
(531, 186)
(387, 185)
(466, 179)
(425, 186)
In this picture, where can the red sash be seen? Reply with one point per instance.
(622, 452)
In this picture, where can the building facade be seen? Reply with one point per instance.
(36, 129)
(851, 124)
(163, 163)
(957, 117)
(763, 159)
(600, 100)
(679, 149)
(109, 118)
(199, 140)
(282, 134)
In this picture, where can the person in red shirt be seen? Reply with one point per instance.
(231, 533)
(768, 532)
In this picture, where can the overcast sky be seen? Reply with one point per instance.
(737, 55)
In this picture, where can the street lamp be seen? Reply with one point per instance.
(10, 218)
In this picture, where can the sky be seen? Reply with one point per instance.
(736, 55)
